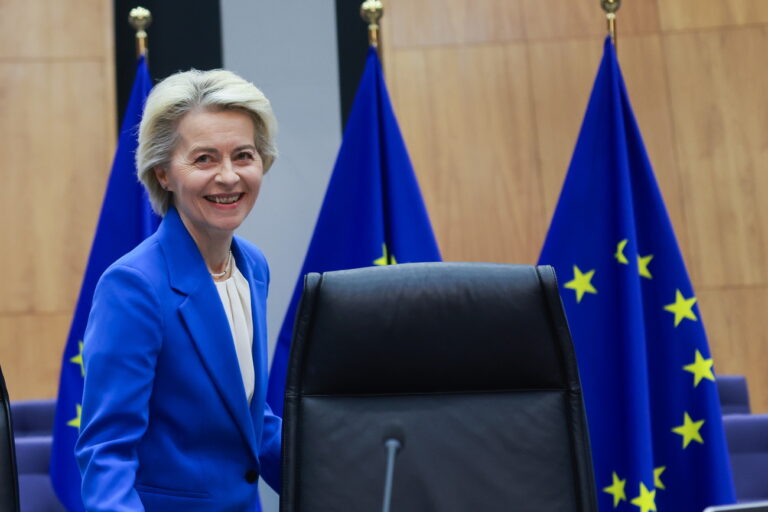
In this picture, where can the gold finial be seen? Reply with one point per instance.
(610, 7)
(140, 18)
(372, 11)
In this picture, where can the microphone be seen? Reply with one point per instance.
(394, 441)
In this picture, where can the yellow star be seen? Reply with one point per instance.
(385, 257)
(642, 265)
(700, 368)
(616, 489)
(75, 422)
(78, 359)
(657, 477)
(647, 499)
(619, 254)
(681, 308)
(689, 430)
(581, 283)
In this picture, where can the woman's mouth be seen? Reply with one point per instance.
(224, 198)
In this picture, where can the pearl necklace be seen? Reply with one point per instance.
(229, 267)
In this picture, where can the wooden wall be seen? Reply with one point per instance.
(57, 132)
(490, 95)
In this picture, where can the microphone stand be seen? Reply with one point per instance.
(392, 445)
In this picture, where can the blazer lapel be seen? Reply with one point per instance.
(257, 287)
(204, 317)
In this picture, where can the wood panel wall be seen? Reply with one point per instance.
(57, 132)
(490, 95)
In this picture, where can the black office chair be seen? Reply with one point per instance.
(9, 482)
(471, 365)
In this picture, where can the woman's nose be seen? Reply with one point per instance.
(227, 174)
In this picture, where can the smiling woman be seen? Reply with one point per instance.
(174, 414)
(213, 177)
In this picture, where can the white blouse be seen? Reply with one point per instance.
(236, 297)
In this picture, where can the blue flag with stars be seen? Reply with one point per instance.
(372, 214)
(126, 219)
(647, 374)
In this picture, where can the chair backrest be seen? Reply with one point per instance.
(471, 364)
(747, 436)
(36, 493)
(734, 395)
(33, 417)
(9, 483)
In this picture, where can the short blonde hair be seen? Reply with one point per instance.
(181, 93)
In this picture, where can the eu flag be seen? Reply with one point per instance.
(126, 219)
(646, 370)
(372, 214)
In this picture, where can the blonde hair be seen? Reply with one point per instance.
(181, 93)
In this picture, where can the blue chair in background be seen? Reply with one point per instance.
(33, 417)
(747, 436)
(33, 428)
(734, 396)
(33, 456)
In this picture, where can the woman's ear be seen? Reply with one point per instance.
(162, 176)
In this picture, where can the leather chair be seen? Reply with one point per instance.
(734, 395)
(471, 365)
(9, 484)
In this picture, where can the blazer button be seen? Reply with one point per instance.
(251, 476)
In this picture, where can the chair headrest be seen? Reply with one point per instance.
(379, 330)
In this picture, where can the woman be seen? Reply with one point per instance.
(174, 414)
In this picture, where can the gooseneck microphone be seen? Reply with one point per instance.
(394, 442)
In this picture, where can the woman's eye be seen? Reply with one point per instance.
(203, 159)
(245, 155)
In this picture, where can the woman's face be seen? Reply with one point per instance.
(215, 172)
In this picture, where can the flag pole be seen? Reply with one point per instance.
(371, 11)
(610, 7)
(140, 18)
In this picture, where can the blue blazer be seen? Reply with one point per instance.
(165, 424)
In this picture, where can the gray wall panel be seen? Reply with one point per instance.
(288, 49)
